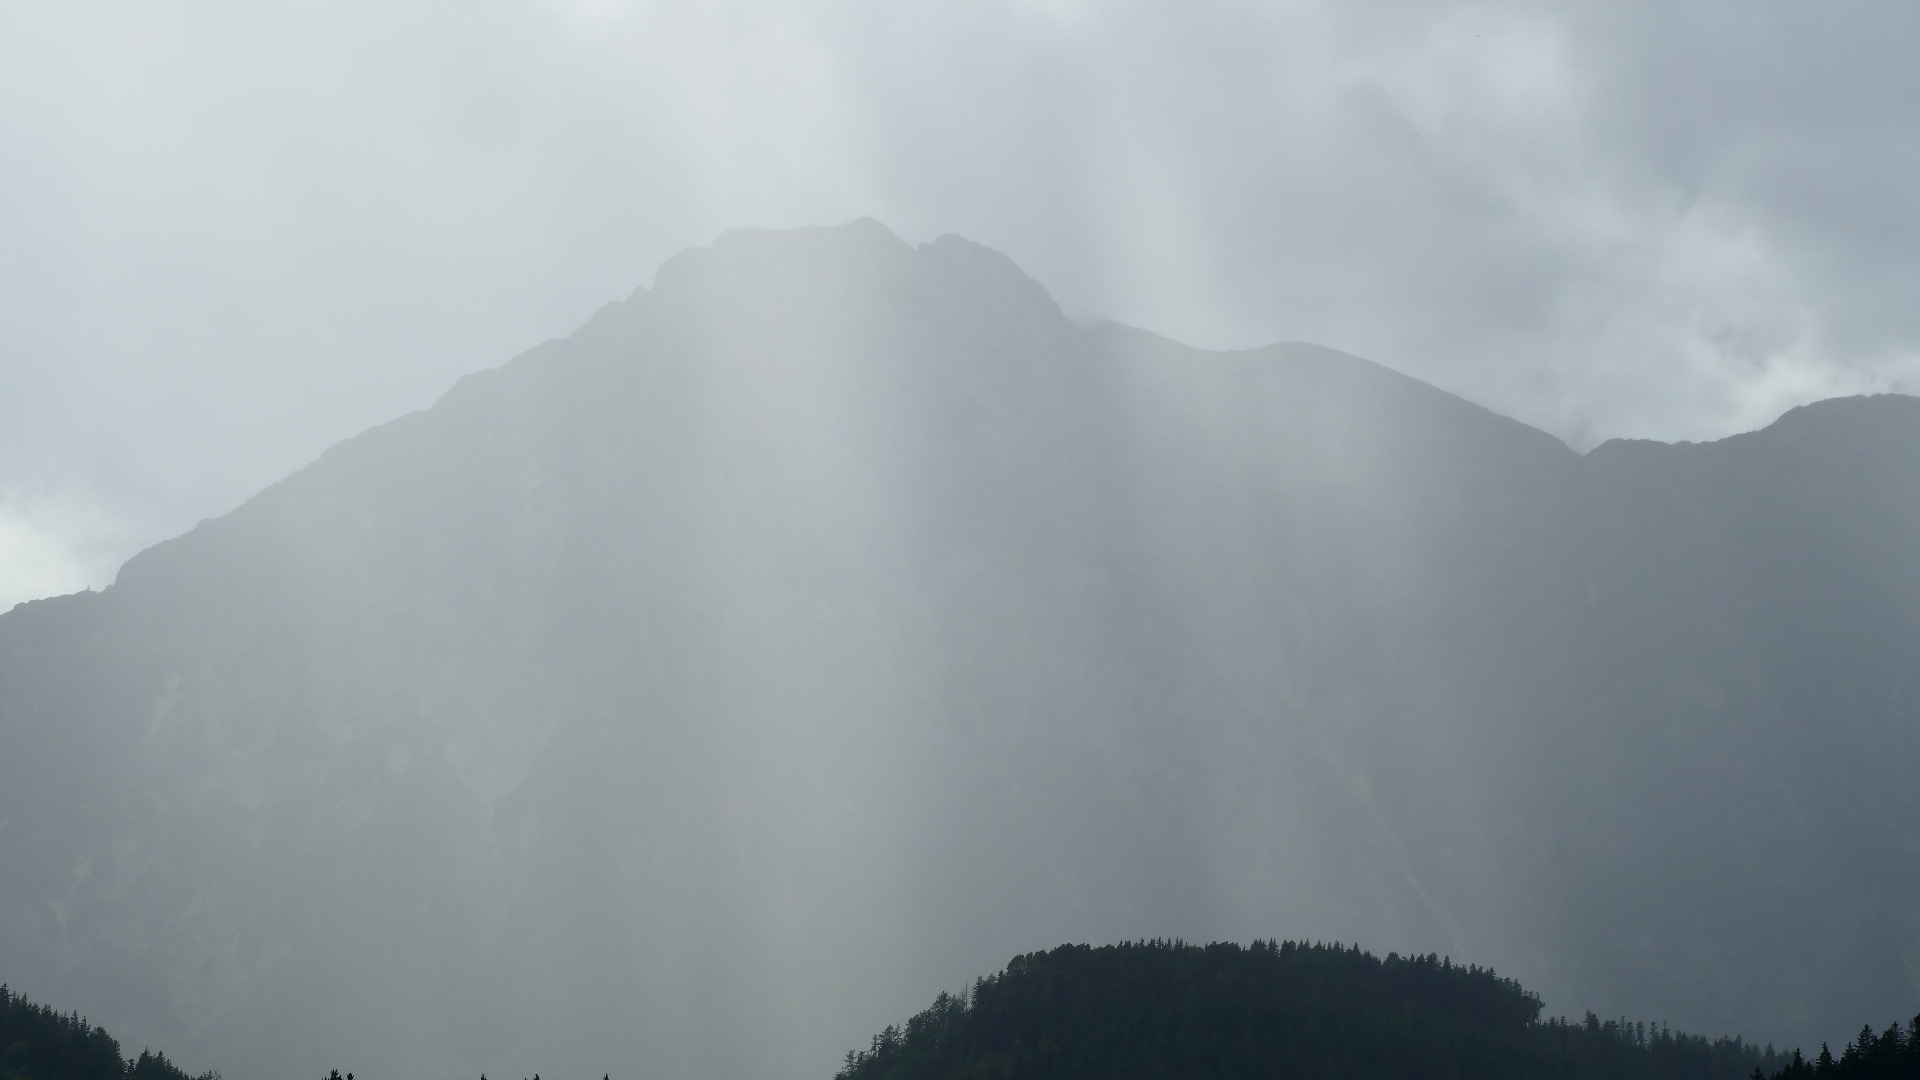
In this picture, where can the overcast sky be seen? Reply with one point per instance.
(234, 233)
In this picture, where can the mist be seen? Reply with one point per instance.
(237, 236)
(639, 537)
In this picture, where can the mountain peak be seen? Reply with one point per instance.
(836, 613)
(1853, 415)
(758, 255)
(856, 263)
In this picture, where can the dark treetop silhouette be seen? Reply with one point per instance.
(1159, 1009)
(38, 1043)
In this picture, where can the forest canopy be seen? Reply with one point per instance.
(1284, 1009)
(39, 1043)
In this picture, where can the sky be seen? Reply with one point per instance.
(234, 233)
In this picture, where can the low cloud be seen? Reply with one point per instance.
(236, 238)
(50, 547)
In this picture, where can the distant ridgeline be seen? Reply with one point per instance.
(37, 1043)
(1168, 1009)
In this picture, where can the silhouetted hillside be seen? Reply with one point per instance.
(1155, 1010)
(37, 1043)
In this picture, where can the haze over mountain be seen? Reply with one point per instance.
(834, 619)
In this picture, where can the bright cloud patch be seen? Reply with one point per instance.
(50, 548)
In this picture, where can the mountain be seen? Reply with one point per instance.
(835, 617)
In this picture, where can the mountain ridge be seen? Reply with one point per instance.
(834, 616)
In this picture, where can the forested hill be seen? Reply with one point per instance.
(38, 1043)
(1167, 1009)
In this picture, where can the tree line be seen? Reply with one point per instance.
(1162, 1009)
(39, 1043)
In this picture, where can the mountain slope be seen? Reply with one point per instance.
(835, 617)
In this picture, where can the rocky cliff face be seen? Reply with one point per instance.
(831, 621)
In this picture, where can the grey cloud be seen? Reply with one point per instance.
(235, 234)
